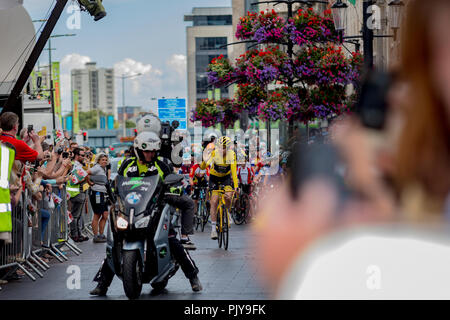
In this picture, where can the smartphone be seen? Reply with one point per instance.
(372, 103)
(309, 162)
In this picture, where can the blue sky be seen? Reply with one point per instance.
(147, 36)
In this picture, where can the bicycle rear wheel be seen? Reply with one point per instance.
(245, 205)
(225, 228)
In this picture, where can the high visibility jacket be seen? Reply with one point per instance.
(74, 189)
(6, 162)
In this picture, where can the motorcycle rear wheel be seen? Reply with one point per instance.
(132, 274)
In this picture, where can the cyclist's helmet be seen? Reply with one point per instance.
(224, 142)
(146, 141)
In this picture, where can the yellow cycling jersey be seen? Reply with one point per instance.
(221, 166)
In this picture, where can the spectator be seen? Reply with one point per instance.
(9, 123)
(98, 197)
(47, 208)
(77, 196)
(413, 242)
(6, 163)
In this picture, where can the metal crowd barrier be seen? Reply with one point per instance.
(14, 255)
(26, 240)
(88, 215)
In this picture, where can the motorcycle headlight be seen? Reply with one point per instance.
(122, 223)
(142, 223)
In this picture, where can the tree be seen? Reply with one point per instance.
(89, 119)
(130, 124)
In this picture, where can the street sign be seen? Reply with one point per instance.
(173, 109)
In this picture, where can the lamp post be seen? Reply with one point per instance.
(339, 10)
(123, 77)
(50, 71)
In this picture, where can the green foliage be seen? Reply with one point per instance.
(88, 120)
(130, 124)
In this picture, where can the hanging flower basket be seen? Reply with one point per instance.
(327, 100)
(220, 72)
(326, 65)
(274, 108)
(231, 111)
(313, 27)
(262, 66)
(249, 98)
(208, 112)
(263, 27)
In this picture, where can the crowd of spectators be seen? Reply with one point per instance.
(42, 169)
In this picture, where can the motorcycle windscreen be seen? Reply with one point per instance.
(137, 192)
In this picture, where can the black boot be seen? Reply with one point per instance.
(99, 291)
(195, 284)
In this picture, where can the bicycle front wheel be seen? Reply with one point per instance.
(225, 228)
(219, 226)
(205, 216)
(198, 216)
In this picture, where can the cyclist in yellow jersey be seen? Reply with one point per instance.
(222, 164)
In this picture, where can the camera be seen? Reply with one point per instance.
(372, 103)
(60, 150)
(65, 155)
(167, 130)
(30, 128)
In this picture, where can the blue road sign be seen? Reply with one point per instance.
(173, 109)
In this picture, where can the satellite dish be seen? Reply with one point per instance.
(8, 4)
(16, 33)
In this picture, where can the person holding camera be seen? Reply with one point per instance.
(77, 196)
(9, 123)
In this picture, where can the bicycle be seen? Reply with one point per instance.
(223, 224)
(239, 213)
(202, 214)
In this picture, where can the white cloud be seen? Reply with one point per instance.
(74, 61)
(178, 63)
(69, 62)
(129, 67)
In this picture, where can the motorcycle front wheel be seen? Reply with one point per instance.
(132, 274)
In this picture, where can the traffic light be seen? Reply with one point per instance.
(85, 136)
(135, 132)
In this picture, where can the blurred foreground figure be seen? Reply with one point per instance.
(383, 232)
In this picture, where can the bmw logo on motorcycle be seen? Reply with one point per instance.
(133, 198)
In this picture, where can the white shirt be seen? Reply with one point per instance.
(373, 263)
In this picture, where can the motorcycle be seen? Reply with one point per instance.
(138, 238)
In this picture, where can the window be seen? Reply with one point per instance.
(213, 43)
(222, 20)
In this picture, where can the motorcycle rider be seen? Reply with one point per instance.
(147, 163)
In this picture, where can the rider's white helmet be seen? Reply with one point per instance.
(146, 141)
(149, 123)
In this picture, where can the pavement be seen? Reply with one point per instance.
(225, 275)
